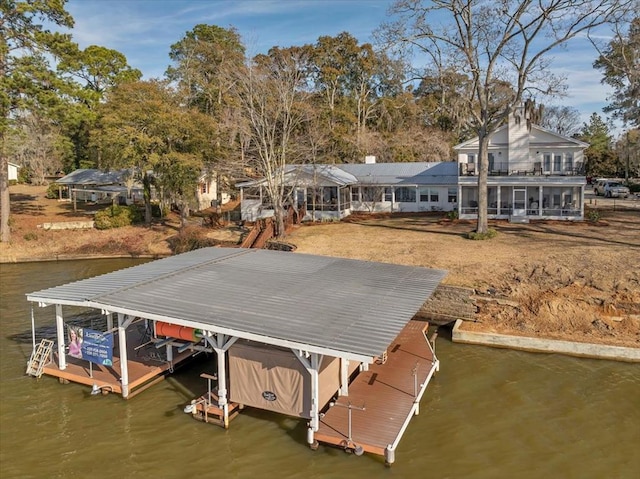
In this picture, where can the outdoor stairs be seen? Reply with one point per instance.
(40, 356)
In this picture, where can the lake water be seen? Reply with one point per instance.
(488, 413)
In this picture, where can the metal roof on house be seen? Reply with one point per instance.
(334, 306)
(418, 173)
(93, 177)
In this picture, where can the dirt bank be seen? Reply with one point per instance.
(563, 280)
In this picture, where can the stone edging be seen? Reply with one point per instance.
(525, 343)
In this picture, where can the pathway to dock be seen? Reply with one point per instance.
(382, 400)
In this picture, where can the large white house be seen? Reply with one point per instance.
(533, 174)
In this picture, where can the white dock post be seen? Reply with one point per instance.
(122, 345)
(62, 359)
(344, 377)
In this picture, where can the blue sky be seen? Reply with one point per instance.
(144, 30)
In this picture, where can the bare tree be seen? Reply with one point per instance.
(501, 47)
(564, 120)
(269, 93)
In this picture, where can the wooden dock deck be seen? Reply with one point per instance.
(383, 399)
(146, 367)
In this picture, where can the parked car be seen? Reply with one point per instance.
(598, 186)
(615, 189)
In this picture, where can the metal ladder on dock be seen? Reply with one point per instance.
(39, 357)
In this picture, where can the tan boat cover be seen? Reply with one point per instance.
(273, 379)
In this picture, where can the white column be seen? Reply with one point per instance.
(344, 377)
(122, 344)
(62, 359)
(109, 321)
(222, 377)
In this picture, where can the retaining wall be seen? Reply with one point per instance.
(525, 343)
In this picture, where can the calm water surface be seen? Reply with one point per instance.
(489, 413)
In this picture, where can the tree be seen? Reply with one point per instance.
(143, 126)
(270, 96)
(600, 157)
(206, 62)
(564, 120)
(620, 65)
(501, 47)
(90, 74)
(23, 39)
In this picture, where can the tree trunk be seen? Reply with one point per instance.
(483, 158)
(5, 232)
(146, 184)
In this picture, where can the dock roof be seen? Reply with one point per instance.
(335, 306)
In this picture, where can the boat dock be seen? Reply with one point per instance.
(382, 400)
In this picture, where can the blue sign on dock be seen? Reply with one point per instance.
(97, 347)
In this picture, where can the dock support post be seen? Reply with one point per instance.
(62, 359)
(122, 346)
(109, 321)
(389, 455)
(220, 345)
(344, 377)
(312, 362)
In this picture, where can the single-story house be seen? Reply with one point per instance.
(98, 185)
(534, 173)
(336, 191)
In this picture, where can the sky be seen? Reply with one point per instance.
(144, 30)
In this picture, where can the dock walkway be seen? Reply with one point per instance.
(383, 399)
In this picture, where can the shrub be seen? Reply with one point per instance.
(593, 216)
(117, 216)
(189, 239)
(452, 215)
(30, 236)
(491, 233)
(634, 187)
(52, 191)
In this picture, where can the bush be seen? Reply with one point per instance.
(593, 216)
(491, 233)
(117, 216)
(52, 191)
(30, 236)
(634, 187)
(452, 215)
(189, 239)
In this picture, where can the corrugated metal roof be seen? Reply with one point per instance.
(93, 177)
(329, 304)
(421, 173)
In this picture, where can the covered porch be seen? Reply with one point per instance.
(525, 200)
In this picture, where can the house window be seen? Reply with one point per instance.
(388, 194)
(405, 194)
(434, 196)
(492, 163)
(355, 193)
(557, 162)
(251, 193)
(424, 195)
(371, 194)
(452, 195)
(471, 158)
(568, 162)
(547, 162)
(204, 188)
